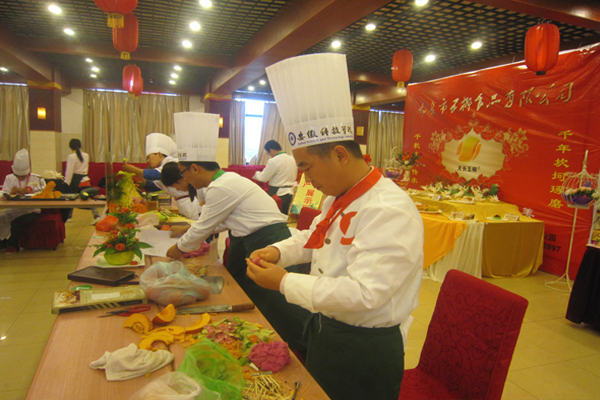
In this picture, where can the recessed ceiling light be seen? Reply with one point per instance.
(250, 88)
(476, 45)
(186, 43)
(206, 3)
(262, 82)
(54, 9)
(335, 44)
(93, 75)
(3, 69)
(177, 67)
(430, 58)
(69, 31)
(95, 69)
(370, 27)
(421, 2)
(174, 75)
(172, 82)
(89, 60)
(195, 26)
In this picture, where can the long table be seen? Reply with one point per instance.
(78, 203)
(81, 337)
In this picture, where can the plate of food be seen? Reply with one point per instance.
(497, 218)
(135, 263)
(428, 209)
(464, 201)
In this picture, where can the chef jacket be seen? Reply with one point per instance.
(35, 182)
(368, 272)
(237, 203)
(152, 176)
(75, 166)
(281, 171)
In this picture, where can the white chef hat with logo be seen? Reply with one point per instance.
(21, 165)
(197, 136)
(312, 93)
(160, 143)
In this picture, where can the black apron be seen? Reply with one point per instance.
(286, 199)
(354, 363)
(287, 319)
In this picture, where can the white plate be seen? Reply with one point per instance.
(496, 219)
(431, 212)
(463, 201)
(101, 262)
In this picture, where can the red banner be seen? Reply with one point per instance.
(521, 131)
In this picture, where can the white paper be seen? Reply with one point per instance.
(160, 240)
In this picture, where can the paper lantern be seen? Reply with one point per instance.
(116, 9)
(125, 39)
(402, 66)
(132, 79)
(138, 90)
(542, 43)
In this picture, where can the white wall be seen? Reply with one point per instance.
(72, 120)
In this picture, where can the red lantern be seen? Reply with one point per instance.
(402, 66)
(116, 9)
(138, 92)
(542, 43)
(132, 79)
(125, 39)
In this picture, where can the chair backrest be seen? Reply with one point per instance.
(306, 217)
(472, 336)
(278, 201)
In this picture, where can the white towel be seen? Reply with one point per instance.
(131, 362)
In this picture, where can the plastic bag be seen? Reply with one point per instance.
(174, 386)
(171, 283)
(211, 365)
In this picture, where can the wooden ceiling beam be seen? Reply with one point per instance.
(370, 77)
(141, 54)
(582, 13)
(378, 95)
(298, 26)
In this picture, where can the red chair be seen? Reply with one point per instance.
(226, 252)
(306, 217)
(278, 201)
(470, 342)
(47, 232)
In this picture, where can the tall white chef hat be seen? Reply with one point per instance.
(197, 136)
(313, 97)
(160, 143)
(21, 165)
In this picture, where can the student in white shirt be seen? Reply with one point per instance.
(281, 173)
(76, 174)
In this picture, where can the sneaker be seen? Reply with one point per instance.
(10, 250)
(95, 221)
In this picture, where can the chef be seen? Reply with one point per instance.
(281, 173)
(366, 247)
(250, 214)
(160, 149)
(21, 182)
(189, 200)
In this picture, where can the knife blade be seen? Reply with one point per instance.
(215, 308)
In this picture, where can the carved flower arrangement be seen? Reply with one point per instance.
(407, 158)
(121, 246)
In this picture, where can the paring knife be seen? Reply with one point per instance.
(215, 308)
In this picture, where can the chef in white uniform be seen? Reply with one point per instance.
(250, 214)
(160, 149)
(366, 247)
(281, 173)
(20, 182)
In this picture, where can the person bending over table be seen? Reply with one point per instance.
(189, 200)
(160, 149)
(238, 204)
(366, 249)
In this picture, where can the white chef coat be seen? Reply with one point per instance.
(237, 203)
(75, 166)
(281, 171)
(37, 184)
(368, 272)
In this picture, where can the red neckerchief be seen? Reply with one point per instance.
(339, 205)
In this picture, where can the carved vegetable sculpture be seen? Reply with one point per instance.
(48, 192)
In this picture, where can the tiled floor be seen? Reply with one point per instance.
(554, 359)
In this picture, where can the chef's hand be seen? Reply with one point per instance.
(179, 231)
(269, 253)
(174, 252)
(266, 275)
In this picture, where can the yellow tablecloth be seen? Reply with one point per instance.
(481, 209)
(440, 236)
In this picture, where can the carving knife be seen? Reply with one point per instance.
(215, 308)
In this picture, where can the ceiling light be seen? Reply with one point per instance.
(370, 27)
(262, 82)
(177, 67)
(172, 82)
(476, 45)
(250, 88)
(93, 75)
(186, 43)
(54, 9)
(174, 75)
(194, 26)
(335, 44)
(421, 2)
(69, 31)
(3, 69)
(430, 58)
(89, 60)
(206, 3)
(95, 69)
